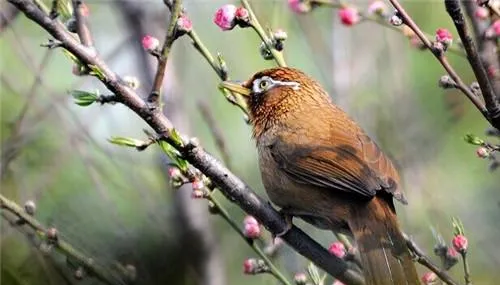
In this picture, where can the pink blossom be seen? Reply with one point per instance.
(84, 10)
(349, 16)
(453, 253)
(481, 13)
(444, 36)
(249, 266)
(338, 249)
(337, 282)
(150, 43)
(174, 172)
(242, 13)
(460, 243)
(197, 194)
(377, 7)
(429, 278)
(197, 184)
(482, 152)
(251, 231)
(496, 27)
(225, 17)
(300, 278)
(184, 24)
(250, 220)
(299, 6)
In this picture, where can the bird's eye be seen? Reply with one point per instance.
(264, 84)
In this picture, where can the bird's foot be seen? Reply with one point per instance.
(289, 223)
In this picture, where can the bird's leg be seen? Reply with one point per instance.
(285, 212)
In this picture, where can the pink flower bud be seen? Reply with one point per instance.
(337, 282)
(198, 184)
(242, 14)
(251, 231)
(280, 35)
(197, 194)
(429, 278)
(250, 220)
(300, 278)
(482, 152)
(174, 172)
(496, 28)
(225, 17)
(52, 234)
(481, 13)
(460, 243)
(249, 266)
(184, 24)
(444, 36)
(377, 7)
(85, 10)
(150, 43)
(349, 16)
(451, 252)
(338, 249)
(299, 6)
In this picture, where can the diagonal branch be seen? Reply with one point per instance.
(229, 184)
(492, 105)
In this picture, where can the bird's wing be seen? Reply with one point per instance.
(356, 167)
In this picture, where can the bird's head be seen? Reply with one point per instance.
(273, 94)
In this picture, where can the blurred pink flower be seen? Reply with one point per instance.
(299, 6)
(150, 43)
(349, 16)
(338, 249)
(225, 17)
(184, 24)
(429, 278)
(460, 243)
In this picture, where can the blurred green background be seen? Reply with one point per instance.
(116, 205)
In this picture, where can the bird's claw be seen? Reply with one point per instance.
(288, 219)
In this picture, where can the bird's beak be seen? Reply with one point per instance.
(235, 86)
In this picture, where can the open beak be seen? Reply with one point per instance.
(235, 87)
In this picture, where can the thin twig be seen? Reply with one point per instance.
(465, 261)
(382, 21)
(278, 56)
(225, 215)
(81, 23)
(426, 261)
(207, 114)
(492, 105)
(230, 185)
(154, 96)
(62, 246)
(441, 58)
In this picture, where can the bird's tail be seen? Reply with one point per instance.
(384, 254)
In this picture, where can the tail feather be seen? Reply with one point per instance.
(384, 254)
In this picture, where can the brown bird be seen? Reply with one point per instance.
(318, 164)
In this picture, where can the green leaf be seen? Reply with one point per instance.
(474, 140)
(174, 155)
(72, 57)
(176, 137)
(130, 142)
(97, 72)
(458, 226)
(84, 98)
(313, 272)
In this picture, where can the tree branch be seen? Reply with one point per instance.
(492, 105)
(426, 261)
(229, 184)
(442, 59)
(153, 97)
(64, 247)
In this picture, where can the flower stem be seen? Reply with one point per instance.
(225, 215)
(278, 56)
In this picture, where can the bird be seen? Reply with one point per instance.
(319, 165)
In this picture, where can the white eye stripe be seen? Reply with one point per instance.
(257, 88)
